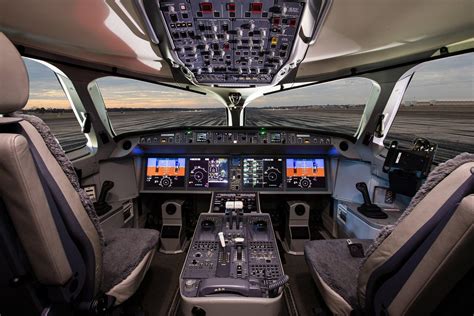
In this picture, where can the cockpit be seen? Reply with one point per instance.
(258, 157)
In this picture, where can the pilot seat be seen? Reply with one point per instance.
(55, 256)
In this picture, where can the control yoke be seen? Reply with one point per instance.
(368, 208)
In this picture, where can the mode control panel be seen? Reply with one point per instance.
(222, 41)
(260, 136)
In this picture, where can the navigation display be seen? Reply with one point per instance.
(263, 173)
(208, 173)
(165, 173)
(305, 173)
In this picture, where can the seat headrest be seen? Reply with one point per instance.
(14, 83)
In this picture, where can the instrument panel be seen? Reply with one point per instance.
(235, 173)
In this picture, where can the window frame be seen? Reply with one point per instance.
(399, 98)
(77, 108)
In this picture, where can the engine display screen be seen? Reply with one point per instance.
(208, 173)
(165, 173)
(305, 173)
(263, 173)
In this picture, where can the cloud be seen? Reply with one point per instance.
(445, 79)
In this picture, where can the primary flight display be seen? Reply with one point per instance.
(253, 173)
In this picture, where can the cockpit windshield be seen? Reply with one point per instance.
(137, 105)
(336, 106)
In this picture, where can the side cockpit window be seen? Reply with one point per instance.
(438, 105)
(49, 102)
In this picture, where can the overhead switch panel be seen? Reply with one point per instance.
(246, 42)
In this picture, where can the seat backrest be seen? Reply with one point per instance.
(428, 253)
(62, 242)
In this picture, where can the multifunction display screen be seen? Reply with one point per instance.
(165, 173)
(302, 173)
(208, 173)
(263, 173)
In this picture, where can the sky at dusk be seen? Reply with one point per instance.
(447, 79)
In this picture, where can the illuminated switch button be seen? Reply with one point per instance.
(182, 7)
(256, 7)
(274, 40)
(230, 7)
(292, 22)
(206, 7)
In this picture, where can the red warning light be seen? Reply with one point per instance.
(256, 7)
(206, 7)
(292, 22)
(230, 7)
(276, 20)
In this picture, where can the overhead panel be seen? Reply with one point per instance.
(241, 42)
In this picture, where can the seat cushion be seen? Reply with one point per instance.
(335, 270)
(125, 249)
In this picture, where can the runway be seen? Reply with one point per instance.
(450, 126)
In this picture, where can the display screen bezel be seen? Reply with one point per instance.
(284, 187)
(283, 174)
(315, 189)
(191, 188)
(172, 188)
